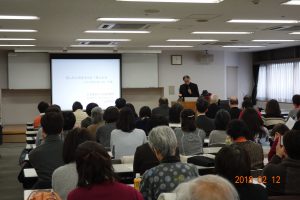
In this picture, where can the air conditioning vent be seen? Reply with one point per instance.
(98, 43)
(219, 43)
(284, 28)
(112, 26)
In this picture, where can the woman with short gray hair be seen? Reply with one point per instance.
(170, 172)
(97, 121)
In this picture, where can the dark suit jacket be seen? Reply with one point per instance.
(162, 110)
(184, 90)
(235, 112)
(212, 110)
(205, 123)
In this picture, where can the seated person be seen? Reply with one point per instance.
(233, 163)
(219, 135)
(42, 107)
(202, 121)
(296, 102)
(296, 126)
(96, 177)
(69, 123)
(239, 132)
(278, 131)
(131, 106)
(97, 121)
(80, 115)
(88, 120)
(144, 118)
(213, 107)
(171, 172)
(190, 139)
(174, 115)
(120, 103)
(273, 114)
(162, 109)
(234, 111)
(126, 138)
(65, 178)
(48, 156)
(283, 172)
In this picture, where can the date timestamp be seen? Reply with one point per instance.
(260, 179)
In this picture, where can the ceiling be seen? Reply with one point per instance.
(63, 21)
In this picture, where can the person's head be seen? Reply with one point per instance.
(214, 99)
(254, 123)
(279, 130)
(52, 123)
(233, 102)
(111, 114)
(126, 120)
(188, 123)
(77, 106)
(89, 108)
(73, 139)
(222, 119)
(296, 126)
(93, 164)
(298, 115)
(157, 120)
(296, 100)
(163, 141)
(247, 104)
(237, 129)
(273, 109)
(174, 113)
(145, 111)
(186, 79)
(42, 106)
(202, 105)
(53, 108)
(120, 103)
(69, 120)
(208, 187)
(291, 141)
(97, 115)
(131, 106)
(163, 101)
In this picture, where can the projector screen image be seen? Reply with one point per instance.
(86, 79)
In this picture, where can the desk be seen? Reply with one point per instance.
(30, 146)
(123, 168)
(27, 157)
(211, 150)
(30, 173)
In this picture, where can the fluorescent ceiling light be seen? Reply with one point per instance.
(170, 46)
(274, 40)
(18, 30)
(17, 39)
(111, 31)
(263, 21)
(176, 1)
(103, 40)
(137, 20)
(19, 17)
(292, 2)
(85, 45)
(221, 32)
(294, 33)
(191, 40)
(17, 45)
(242, 46)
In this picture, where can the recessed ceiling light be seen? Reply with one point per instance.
(17, 45)
(17, 39)
(191, 40)
(19, 17)
(85, 45)
(176, 1)
(274, 40)
(221, 32)
(294, 33)
(170, 46)
(292, 2)
(18, 30)
(110, 31)
(103, 40)
(263, 21)
(242, 46)
(137, 19)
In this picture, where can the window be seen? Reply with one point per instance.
(278, 81)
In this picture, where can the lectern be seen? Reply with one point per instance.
(188, 103)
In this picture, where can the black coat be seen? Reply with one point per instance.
(184, 90)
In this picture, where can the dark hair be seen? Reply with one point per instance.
(163, 101)
(202, 105)
(296, 99)
(174, 113)
(42, 107)
(93, 164)
(296, 126)
(69, 120)
(247, 104)
(237, 128)
(222, 119)
(77, 105)
(273, 109)
(111, 114)
(291, 141)
(52, 123)
(157, 120)
(232, 161)
(145, 111)
(254, 123)
(188, 123)
(279, 128)
(234, 101)
(298, 115)
(73, 139)
(53, 108)
(120, 103)
(131, 106)
(186, 76)
(126, 120)
(90, 107)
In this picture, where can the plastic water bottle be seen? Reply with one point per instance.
(137, 182)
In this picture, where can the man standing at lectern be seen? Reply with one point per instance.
(188, 89)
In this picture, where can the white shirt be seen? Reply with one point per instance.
(79, 115)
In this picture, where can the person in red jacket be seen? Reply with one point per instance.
(96, 177)
(278, 131)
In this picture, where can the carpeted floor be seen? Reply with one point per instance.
(10, 188)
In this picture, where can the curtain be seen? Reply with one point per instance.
(255, 79)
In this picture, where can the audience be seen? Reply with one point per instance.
(48, 156)
(171, 172)
(120, 103)
(190, 139)
(65, 178)
(202, 121)
(283, 172)
(103, 133)
(144, 118)
(174, 114)
(208, 187)
(239, 132)
(97, 121)
(69, 123)
(234, 111)
(219, 137)
(42, 107)
(296, 102)
(233, 163)
(277, 133)
(131, 106)
(162, 109)
(88, 120)
(79, 113)
(273, 114)
(96, 177)
(213, 107)
(296, 126)
(126, 138)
